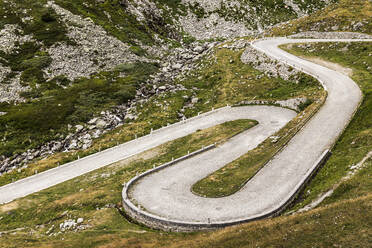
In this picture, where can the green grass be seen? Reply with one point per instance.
(124, 25)
(356, 141)
(359, 185)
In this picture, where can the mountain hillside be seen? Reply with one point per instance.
(64, 63)
(81, 76)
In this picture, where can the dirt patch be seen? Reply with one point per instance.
(78, 197)
(8, 207)
(103, 216)
(346, 71)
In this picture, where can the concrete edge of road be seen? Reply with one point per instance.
(157, 222)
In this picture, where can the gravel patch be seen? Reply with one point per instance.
(140, 8)
(263, 63)
(9, 92)
(213, 26)
(213, 5)
(10, 35)
(95, 50)
(292, 103)
(295, 7)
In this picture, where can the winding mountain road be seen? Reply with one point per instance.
(166, 195)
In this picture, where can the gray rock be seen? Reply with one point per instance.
(86, 138)
(57, 146)
(177, 66)
(73, 145)
(78, 128)
(101, 123)
(92, 121)
(67, 225)
(198, 49)
(131, 116)
(79, 221)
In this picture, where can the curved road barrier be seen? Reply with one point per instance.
(164, 199)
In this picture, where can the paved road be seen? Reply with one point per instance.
(271, 119)
(166, 194)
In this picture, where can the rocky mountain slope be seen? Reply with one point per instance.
(78, 76)
(68, 67)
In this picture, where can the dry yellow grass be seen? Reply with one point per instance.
(8, 207)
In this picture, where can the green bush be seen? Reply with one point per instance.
(125, 67)
(48, 15)
(302, 106)
(36, 62)
(138, 51)
(32, 73)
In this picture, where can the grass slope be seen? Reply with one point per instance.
(31, 124)
(343, 224)
(346, 15)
